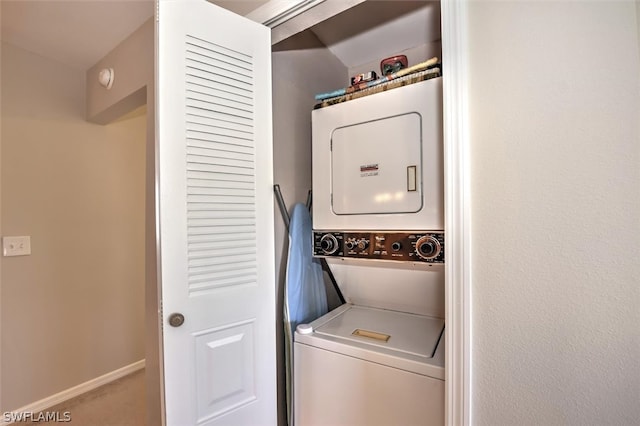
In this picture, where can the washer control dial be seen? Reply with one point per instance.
(428, 247)
(329, 244)
(363, 244)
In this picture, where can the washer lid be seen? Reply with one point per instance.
(400, 332)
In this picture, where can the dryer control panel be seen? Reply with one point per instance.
(427, 246)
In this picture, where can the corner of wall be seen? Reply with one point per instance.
(133, 65)
(133, 62)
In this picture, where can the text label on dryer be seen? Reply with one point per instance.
(369, 170)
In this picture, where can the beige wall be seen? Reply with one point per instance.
(133, 62)
(74, 309)
(555, 172)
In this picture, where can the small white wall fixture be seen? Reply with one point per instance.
(106, 77)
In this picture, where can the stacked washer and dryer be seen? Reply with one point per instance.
(378, 219)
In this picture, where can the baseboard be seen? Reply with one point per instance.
(78, 390)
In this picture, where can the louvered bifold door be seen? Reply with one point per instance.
(221, 180)
(213, 77)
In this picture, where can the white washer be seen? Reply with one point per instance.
(358, 365)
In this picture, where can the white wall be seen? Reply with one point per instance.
(74, 309)
(555, 184)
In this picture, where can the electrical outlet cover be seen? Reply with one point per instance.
(16, 246)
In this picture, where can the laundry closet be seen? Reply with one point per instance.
(379, 358)
(244, 110)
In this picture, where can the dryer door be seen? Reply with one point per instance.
(376, 166)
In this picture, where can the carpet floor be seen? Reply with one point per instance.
(119, 403)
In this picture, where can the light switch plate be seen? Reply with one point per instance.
(16, 246)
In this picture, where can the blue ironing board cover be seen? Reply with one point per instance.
(305, 297)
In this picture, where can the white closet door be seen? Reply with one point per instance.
(215, 200)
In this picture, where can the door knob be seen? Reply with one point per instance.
(176, 320)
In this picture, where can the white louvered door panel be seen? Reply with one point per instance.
(213, 77)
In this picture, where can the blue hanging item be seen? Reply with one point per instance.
(305, 297)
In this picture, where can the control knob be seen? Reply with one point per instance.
(428, 247)
(328, 244)
(363, 244)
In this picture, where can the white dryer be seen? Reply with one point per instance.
(378, 161)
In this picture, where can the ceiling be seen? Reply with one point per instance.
(383, 24)
(78, 33)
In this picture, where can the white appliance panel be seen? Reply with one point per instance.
(396, 382)
(378, 134)
(397, 331)
(375, 166)
(335, 389)
(402, 286)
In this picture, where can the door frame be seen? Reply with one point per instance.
(457, 192)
